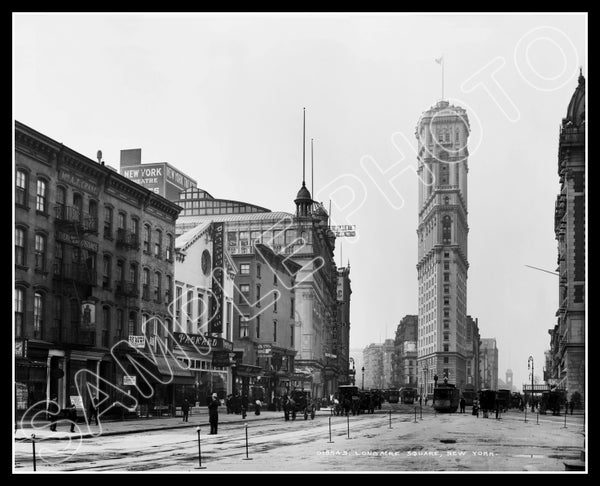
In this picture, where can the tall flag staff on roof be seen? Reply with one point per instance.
(440, 60)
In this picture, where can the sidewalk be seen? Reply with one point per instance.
(42, 431)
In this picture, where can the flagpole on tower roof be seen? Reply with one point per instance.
(440, 60)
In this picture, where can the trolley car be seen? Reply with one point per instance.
(408, 395)
(393, 395)
(445, 398)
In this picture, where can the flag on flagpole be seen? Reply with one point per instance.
(440, 60)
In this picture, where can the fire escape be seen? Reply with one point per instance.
(127, 290)
(78, 277)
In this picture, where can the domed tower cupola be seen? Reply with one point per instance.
(303, 199)
(576, 111)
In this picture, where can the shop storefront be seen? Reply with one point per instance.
(156, 388)
(209, 362)
(247, 382)
(31, 376)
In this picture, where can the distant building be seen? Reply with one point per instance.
(442, 232)
(386, 358)
(489, 363)
(373, 365)
(567, 339)
(341, 333)
(472, 346)
(405, 353)
(160, 177)
(509, 380)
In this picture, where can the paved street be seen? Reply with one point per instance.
(437, 442)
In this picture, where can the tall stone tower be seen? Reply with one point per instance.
(442, 133)
(509, 379)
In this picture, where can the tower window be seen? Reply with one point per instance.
(446, 230)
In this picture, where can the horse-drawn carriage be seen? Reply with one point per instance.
(299, 402)
(348, 400)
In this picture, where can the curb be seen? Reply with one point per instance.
(145, 429)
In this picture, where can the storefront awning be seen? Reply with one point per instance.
(170, 368)
(247, 370)
(30, 363)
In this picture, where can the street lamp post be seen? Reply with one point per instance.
(363, 378)
(530, 366)
(425, 371)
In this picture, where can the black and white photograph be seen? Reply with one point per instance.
(299, 242)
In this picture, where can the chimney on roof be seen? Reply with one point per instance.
(131, 157)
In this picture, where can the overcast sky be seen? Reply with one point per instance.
(220, 97)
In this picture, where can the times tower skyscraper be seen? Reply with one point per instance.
(442, 133)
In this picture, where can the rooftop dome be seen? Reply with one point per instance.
(303, 194)
(576, 110)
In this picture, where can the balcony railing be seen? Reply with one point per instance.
(83, 336)
(127, 239)
(74, 272)
(62, 335)
(71, 215)
(124, 288)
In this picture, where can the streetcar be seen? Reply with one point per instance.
(393, 395)
(503, 398)
(445, 398)
(470, 395)
(516, 401)
(377, 397)
(408, 395)
(487, 401)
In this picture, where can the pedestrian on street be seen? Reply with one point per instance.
(426, 398)
(213, 414)
(72, 415)
(53, 411)
(571, 406)
(93, 410)
(257, 406)
(244, 406)
(463, 404)
(228, 403)
(185, 410)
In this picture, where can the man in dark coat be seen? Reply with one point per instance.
(72, 414)
(244, 406)
(93, 410)
(213, 414)
(185, 409)
(53, 411)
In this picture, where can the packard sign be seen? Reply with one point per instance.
(202, 342)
